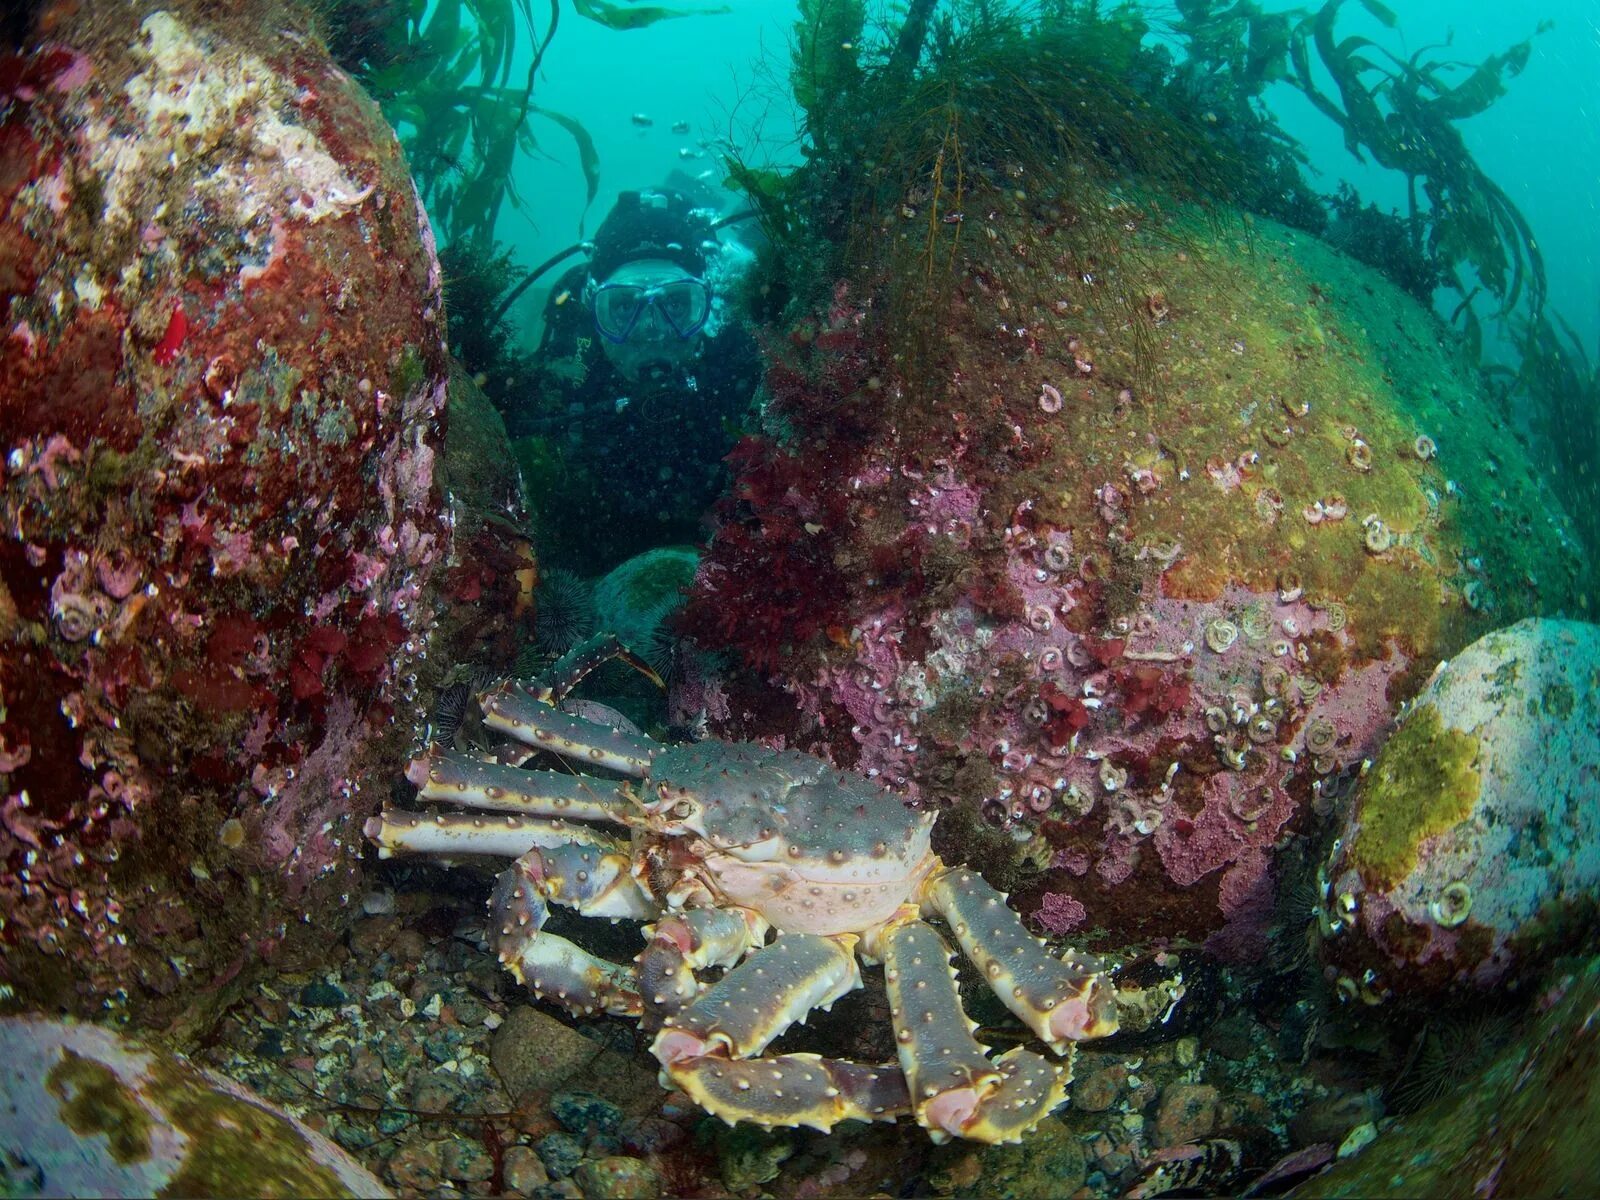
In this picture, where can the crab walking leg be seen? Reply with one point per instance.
(473, 783)
(508, 709)
(449, 834)
(955, 1090)
(569, 670)
(683, 943)
(1061, 1001)
(705, 1048)
(761, 997)
(792, 1089)
(594, 882)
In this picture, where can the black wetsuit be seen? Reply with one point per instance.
(638, 465)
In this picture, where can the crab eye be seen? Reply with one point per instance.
(682, 809)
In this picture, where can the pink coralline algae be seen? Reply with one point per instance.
(1059, 913)
(203, 621)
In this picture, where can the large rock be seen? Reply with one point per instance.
(221, 383)
(1523, 1126)
(1473, 846)
(1129, 530)
(637, 597)
(88, 1113)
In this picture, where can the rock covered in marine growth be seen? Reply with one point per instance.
(90, 1113)
(1472, 849)
(221, 385)
(637, 596)
(1132, 551)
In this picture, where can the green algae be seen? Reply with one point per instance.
(236, 1147)
(1422, 784)
(95, 1101)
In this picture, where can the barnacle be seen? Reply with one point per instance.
(1337, 616)
(1321, 736)
(1309, 687)
(78, 616)
(1057, 557)
(1290, 586)
(1453, 906)
(1112, 777)
(1359, 454)
(1221, 634)
(1250, 805)
(1424, 447)
(1216, 718)
(1040, 618)
(1255, 622)
(1379, 537)
(1275, 679)
(1262, 729)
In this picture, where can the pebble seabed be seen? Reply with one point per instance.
(415, 1051)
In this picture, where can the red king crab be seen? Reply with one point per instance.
(723, 843)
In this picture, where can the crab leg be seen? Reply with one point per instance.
(705, 1048)
(569, 670)
(449, 834)
(683, 943)
(956, 1091)
(508, 709)
(1061, 1001)
(594, 881)
(473, 783)
(761, 997)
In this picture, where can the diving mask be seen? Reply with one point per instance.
(650, 300)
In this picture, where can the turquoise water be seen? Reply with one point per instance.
(1540, 142)
(1017, 553)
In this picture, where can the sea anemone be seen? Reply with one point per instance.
(565, 611)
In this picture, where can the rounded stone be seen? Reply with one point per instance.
(584, 1113)
(618, 1178)
(91, 1113)
(1187, 1113)
(560, 1153)
(1472, 847)
(893, 610)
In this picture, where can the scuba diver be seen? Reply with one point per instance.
(640, 382)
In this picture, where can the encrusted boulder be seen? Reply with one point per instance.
(1125, 529)
(1472, 849)
(91, 1113)
(222, 378)
(636, 597)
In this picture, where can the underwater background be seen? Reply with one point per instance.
(1531, 141)
(603, 599)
